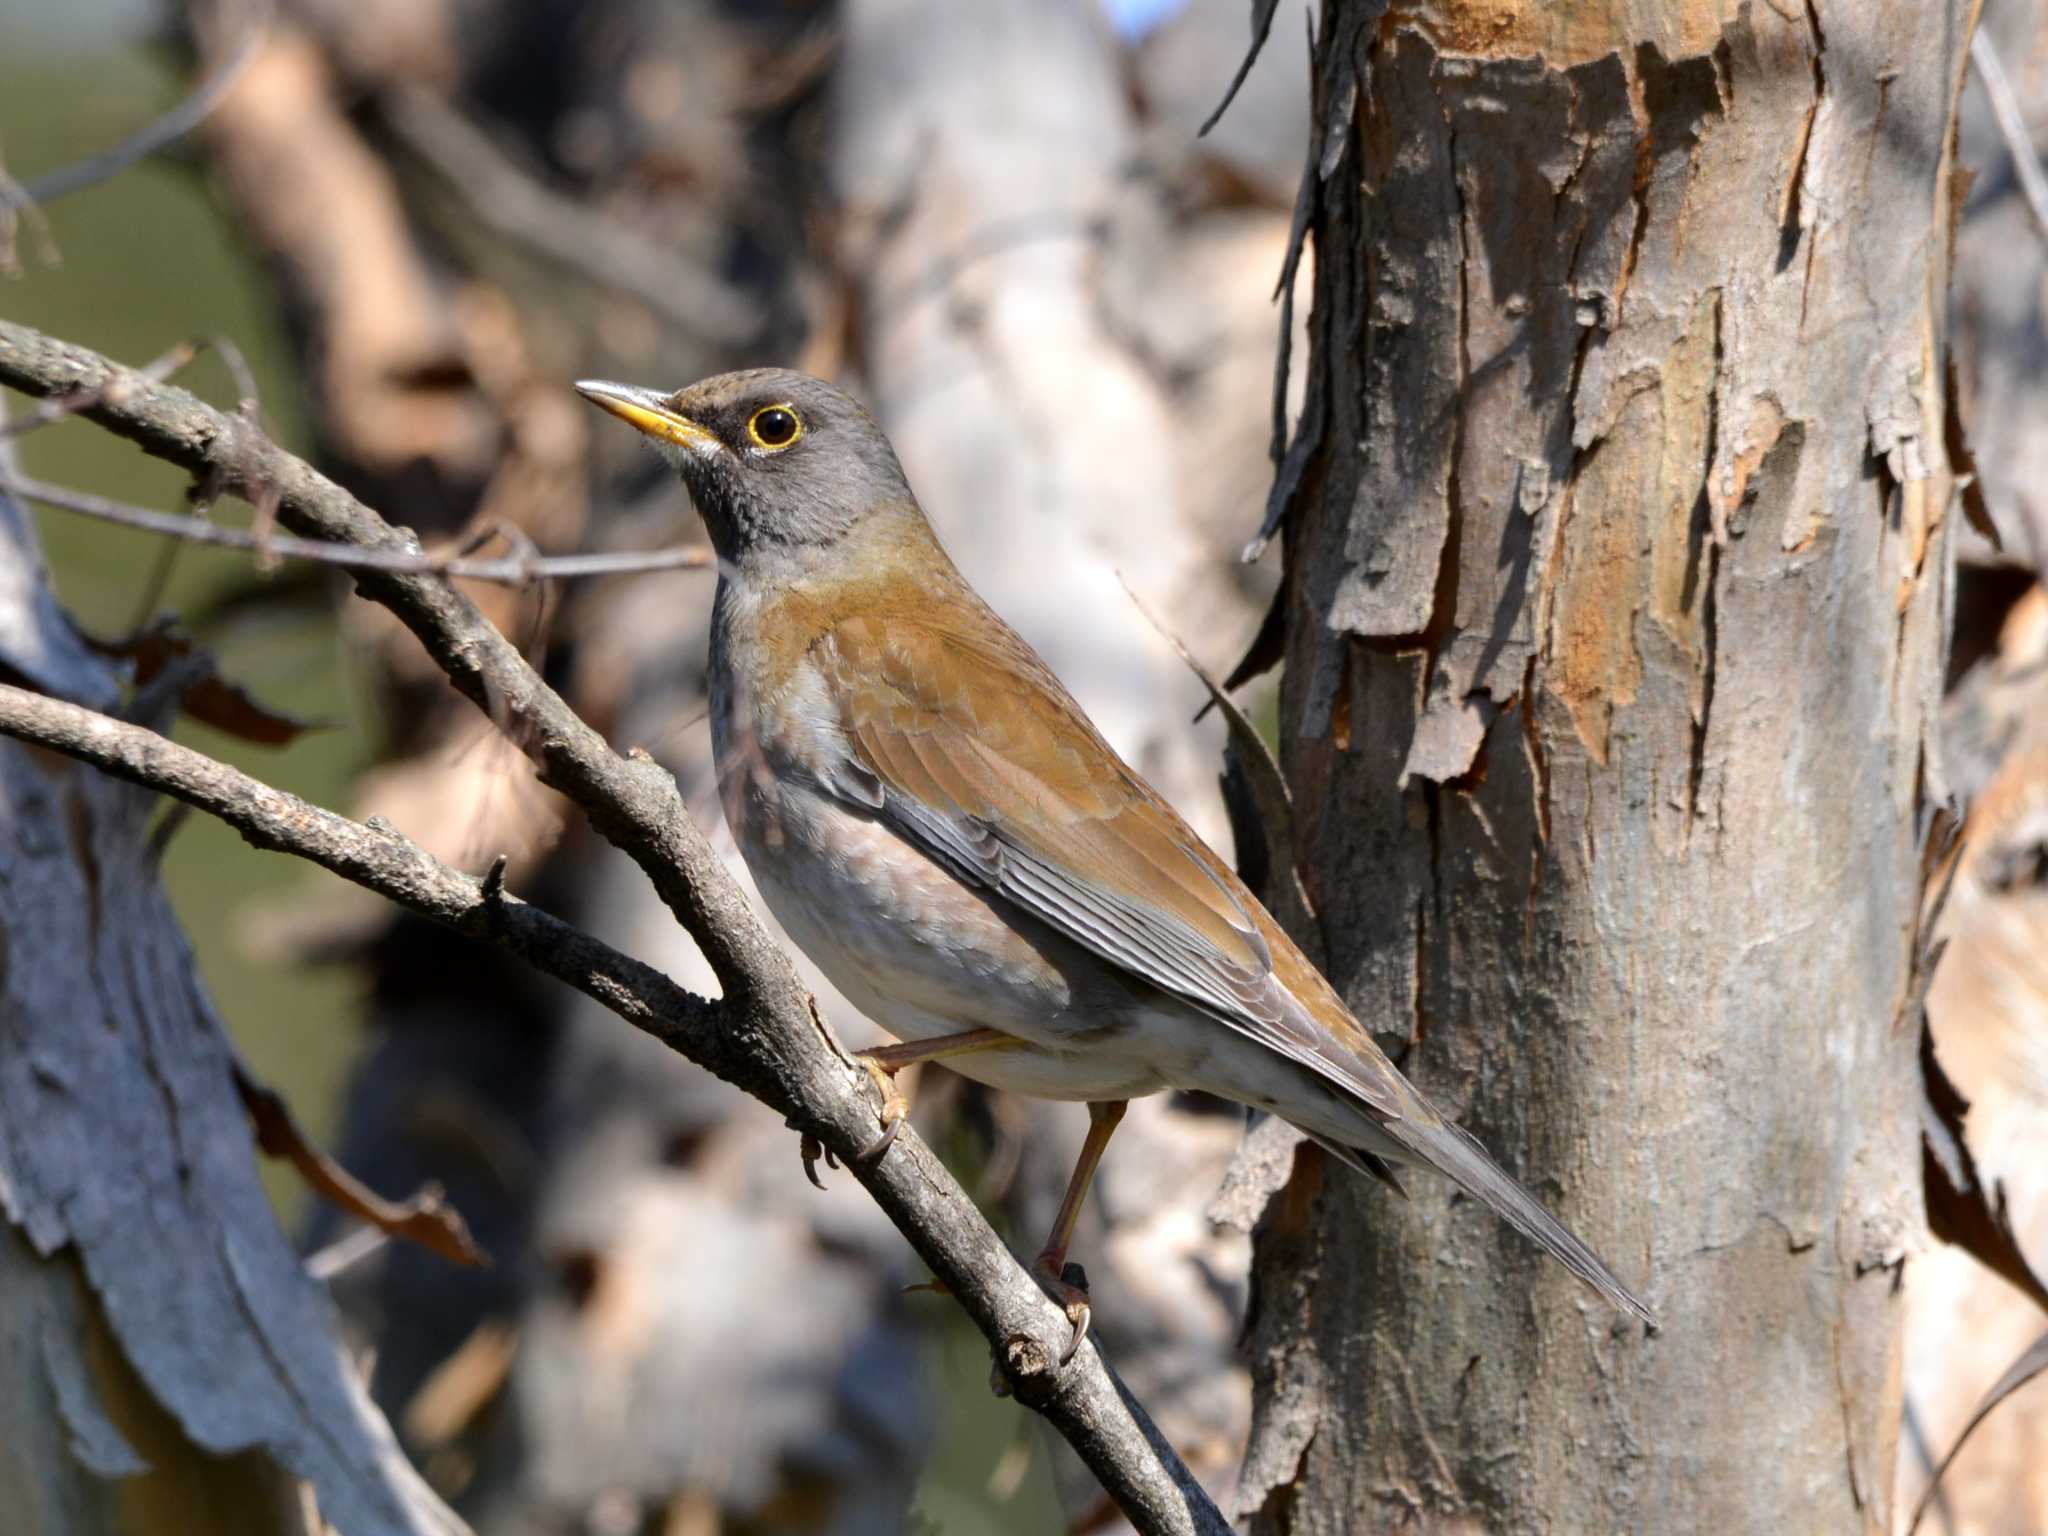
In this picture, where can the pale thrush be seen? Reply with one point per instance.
(934, 821)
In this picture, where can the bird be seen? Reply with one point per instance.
(936, 823)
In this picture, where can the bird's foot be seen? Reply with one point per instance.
(895, 1107)
(1068, 1284)
(810, 1149)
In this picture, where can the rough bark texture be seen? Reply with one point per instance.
(1618, 595)
(171, 1367)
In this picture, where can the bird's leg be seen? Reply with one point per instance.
(1052, 1261)
(885, 1061)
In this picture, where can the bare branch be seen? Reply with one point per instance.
(2012, 126)
(345, 1253)
(170, 363)
(16, 209)
(512, 570)
(514, 205)
(167, 129)
(373, 855)
(766, 1037)
(56, 410)
(426, 1218)
(160, 368)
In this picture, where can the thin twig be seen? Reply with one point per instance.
(766, 1035)
(17, 208)
(512, 570)
(372, 855)
(2012, 126)
(2032, 1362)
(168, 364)
(381, 859)
(162, 131)
(345, 1252)
(2033, 180)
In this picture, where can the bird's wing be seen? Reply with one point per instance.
(967, 744)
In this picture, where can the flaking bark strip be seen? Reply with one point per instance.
(1701, 826)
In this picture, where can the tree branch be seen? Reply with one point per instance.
(766, 1037)
(517, 570)
(374, 855)
(2012, 126)
(505, 199)
(161, 131)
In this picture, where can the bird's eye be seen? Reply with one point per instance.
(774, 427)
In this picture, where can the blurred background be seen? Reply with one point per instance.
(417, 220)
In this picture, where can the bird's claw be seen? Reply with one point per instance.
(871, 1154)
(1069, 1286)
(810, 1149)
(1078, 1313)
(895, 1109)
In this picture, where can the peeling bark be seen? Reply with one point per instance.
(170, 1366)
(1616, 614)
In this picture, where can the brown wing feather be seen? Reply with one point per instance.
(988, 763)
(974, 750)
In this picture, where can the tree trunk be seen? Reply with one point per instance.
(1618, 577)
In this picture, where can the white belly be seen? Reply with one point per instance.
(922, 954)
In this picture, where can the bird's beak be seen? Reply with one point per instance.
(650, 412)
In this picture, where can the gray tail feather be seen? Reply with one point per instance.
(1365, 1162)
(1459, 1157)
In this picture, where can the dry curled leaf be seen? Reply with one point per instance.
(426, 1219)
(208, 697)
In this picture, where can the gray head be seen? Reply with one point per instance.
(774, 459)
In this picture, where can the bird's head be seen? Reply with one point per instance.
(779, 463)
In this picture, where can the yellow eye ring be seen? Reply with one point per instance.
(775, 427)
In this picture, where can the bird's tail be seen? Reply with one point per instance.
(1454, 1153)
